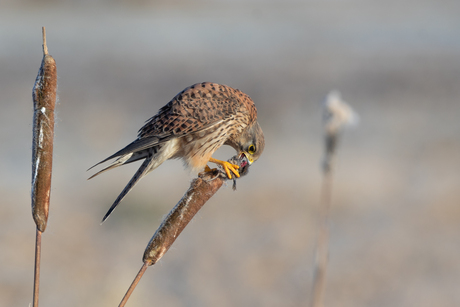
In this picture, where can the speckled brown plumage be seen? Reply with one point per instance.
(192, 126)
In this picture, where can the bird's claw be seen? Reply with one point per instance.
(228, 167)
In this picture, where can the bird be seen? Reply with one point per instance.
(192, 126)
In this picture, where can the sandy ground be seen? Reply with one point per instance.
(395, 219)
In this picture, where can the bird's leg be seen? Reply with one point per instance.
(207, 169)
(227, 167)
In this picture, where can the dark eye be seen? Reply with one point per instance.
(252, 149)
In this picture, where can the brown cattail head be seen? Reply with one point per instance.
(200, 191)
(44, 99)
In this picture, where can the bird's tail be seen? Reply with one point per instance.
(147, 166)
(120, 161)
(137, 150)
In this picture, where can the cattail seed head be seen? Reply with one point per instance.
(337, 115)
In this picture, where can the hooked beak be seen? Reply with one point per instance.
(248, 157)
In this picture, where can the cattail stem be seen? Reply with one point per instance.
(134, 284)
(38, 248)
(322, 250)
(45, 47)
(322, 244)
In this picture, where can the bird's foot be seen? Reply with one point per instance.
(212, 172)
(207, 169)
(227, 166)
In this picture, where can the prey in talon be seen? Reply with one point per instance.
(243, 163)
(191, 127)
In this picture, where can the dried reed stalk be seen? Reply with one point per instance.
(337, 115)
(322, 252)
(200, 191)
(44, 99)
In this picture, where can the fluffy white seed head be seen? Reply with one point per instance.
(337, 114)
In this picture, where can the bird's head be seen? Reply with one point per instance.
(251, 143)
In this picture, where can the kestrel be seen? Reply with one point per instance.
(191, 127)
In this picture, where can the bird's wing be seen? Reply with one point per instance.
(196, 108)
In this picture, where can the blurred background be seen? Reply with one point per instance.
(395, 218)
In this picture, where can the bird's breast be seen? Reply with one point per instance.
(198, 147)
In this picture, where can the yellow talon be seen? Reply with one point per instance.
(227, 167)
(207, 169)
